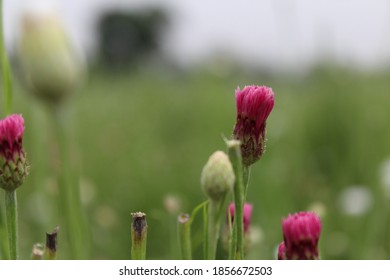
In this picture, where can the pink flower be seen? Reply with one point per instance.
(282, 251)
(247, 215)
(254, 104)
(11, 135)
(13, 164)
(301, 232)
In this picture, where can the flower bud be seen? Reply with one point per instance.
(49, 64)
(14, 167)
(301, 232)
(217, 178)
(247, 215)
(254, 104)
(248, 237)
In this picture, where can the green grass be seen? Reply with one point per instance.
(140, 136)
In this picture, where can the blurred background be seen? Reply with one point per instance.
(155, 92)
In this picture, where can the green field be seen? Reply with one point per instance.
(139, 136)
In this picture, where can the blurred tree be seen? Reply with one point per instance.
(125, 38)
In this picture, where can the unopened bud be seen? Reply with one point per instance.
(14, 167)
(254, 104)
(49, 64)
(301, 232)
(247, 215)
(217, 177)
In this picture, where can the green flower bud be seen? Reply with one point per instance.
(49, 64)
(217, 177)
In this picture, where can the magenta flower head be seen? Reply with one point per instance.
(254, 104)
(247, 215)
(13, 164)
(301, 232)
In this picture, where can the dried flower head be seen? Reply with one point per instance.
(247, 215)
(13, 163)
(254, 104)
(301, 232)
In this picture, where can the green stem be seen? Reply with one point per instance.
(5, 68)
(172, 231)
(10, 198)
(70, 204)
(194, 212)
(234, 153)
(50, 252)
(232, 238)
(12, 223)
(205, 232)
(3, 237)
(246, 175)
(213, 228)
(139, 231)
(184, 226)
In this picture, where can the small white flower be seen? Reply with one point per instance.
(355, 200)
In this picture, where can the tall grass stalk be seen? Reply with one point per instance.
(69, 193)
(12, 223)
(3, 237)
(5, 68)
(10, 196)
(139, 233)
(184, 228)
(234, 153)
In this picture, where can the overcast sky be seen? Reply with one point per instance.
(279, 33)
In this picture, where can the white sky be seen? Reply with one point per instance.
(278, 33)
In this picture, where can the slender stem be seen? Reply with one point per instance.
(205, 232)
(194, 212)
(172, 231)
(213, 229)
(234, 153)
(184, 226)
(5, 68)
(246, 175)
(232, 238)
(12, 223)
(233, 229)
(50, 252)
(70, 204)
(139, 231)
(10, 197)
(3, 237)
